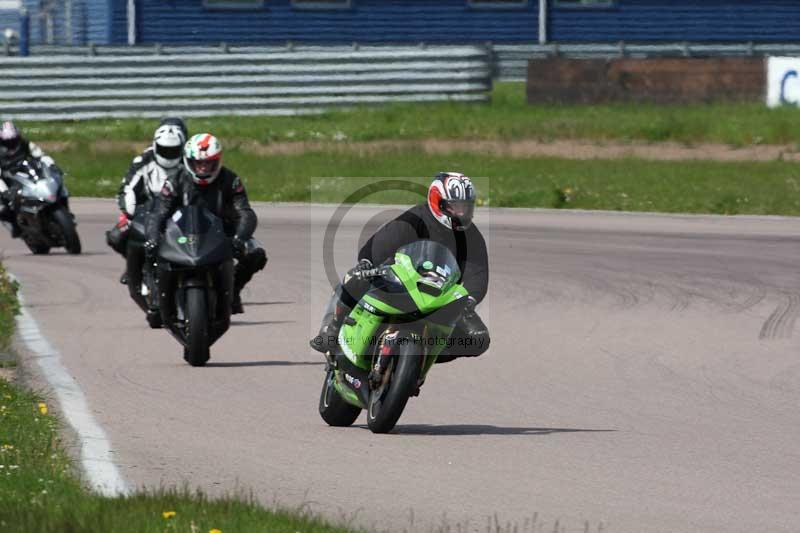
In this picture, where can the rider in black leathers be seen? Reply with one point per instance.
(447, 219)
(14, 149)
(203, 180)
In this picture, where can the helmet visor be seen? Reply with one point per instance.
(461, 209)
(169, 152)
(11, 145)
(203, 168)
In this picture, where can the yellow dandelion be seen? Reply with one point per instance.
(215, 530)
(43, 408)
(168, 514)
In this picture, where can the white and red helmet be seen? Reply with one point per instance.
(10, 139)
(202, 156)
(451, 199)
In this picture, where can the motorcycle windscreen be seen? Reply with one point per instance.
(194, 237)
(433, 261)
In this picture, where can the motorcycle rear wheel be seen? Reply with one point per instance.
(196, 352)
(37, 248)
(387, 403)
(333, 408)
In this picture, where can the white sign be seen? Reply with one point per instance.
(10, 5)
(783, 81)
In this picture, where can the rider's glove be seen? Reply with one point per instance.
(123, 222)
(239, 246)
(358, 270)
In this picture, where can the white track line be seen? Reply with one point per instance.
(96, 457)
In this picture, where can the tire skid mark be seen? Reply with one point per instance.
(781, 322)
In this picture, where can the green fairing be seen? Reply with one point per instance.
(355, 339)
(426, 303)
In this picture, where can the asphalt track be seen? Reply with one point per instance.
(643, 376)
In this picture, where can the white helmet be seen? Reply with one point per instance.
(202, 157)
(167, 145)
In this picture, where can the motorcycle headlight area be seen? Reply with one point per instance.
(432, 283)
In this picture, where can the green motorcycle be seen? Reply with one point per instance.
(392, 338)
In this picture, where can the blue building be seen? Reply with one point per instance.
(411, 21)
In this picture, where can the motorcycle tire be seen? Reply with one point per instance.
(333, 409)
(72, 242)
(37, 248)
(196, 352)
(387, 403)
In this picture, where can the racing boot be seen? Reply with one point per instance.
(236, 304)
(7, 215)
(16, 231)
(328, 336)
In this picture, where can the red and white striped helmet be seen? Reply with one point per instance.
(202, 156)
(451, 199)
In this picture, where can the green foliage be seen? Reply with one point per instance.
(506, 117)
(620, 184)
(39, 491)
(9, 308)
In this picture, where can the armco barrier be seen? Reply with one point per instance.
(280, 82)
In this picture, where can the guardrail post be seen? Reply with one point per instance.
(686, 51)
(224, 47)
(621, 48)
(751, 48)
(157, 49)
(24, 33)
(494, 63)
(92, 50)
(289, 46)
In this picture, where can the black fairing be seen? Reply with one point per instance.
(194, 237)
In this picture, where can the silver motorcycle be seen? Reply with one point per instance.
(41, 208)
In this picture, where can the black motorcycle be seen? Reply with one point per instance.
(142, 274)
(41, 208)
(195, 281)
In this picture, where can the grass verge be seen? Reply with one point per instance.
(39, 490)
(623, 184)
(9, 307)
(506, 117)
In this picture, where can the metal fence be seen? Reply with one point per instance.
(48, 86)
(511, 61)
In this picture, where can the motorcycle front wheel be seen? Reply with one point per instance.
(68, 230)
(196, 352)
(387, 403)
